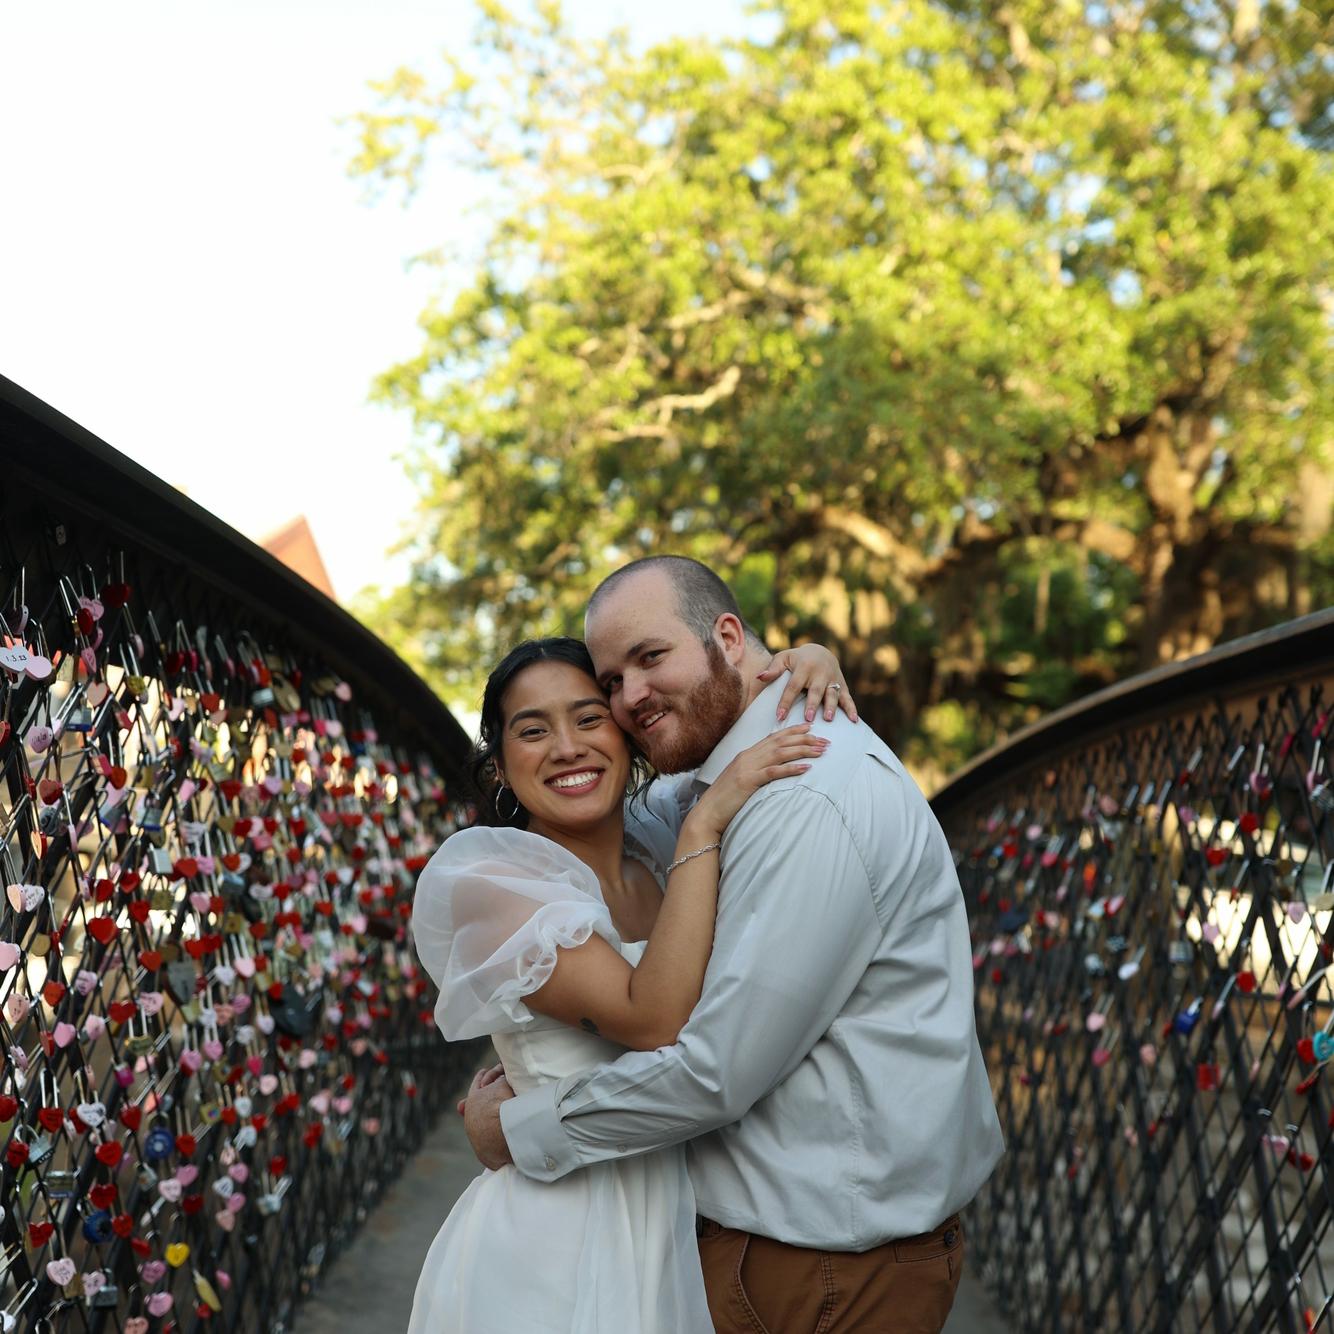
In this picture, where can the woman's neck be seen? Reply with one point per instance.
(600, 847)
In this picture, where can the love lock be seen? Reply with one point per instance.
(294, 1015)
(181, 979)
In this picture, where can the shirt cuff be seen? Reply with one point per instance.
(537, 1140)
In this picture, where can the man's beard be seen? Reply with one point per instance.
(703, 718)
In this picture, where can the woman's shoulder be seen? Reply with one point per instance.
(509, 855)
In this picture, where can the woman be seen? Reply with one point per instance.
(563, 937)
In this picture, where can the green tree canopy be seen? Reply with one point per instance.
(987, 342)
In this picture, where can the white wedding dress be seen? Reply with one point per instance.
(609, 1249)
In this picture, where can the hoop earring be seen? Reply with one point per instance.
(501, 814)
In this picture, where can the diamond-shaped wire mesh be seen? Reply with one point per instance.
(219, 1046)
(1153, 922)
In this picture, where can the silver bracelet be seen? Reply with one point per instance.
(698, 852)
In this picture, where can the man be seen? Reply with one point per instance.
(830, 1079)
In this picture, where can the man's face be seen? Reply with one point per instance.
(675, 696)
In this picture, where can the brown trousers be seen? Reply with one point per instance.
(757, 1285)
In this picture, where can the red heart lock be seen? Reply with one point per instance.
(102, 1195)
(118, 777)
(77, 1122)
(275, 991)
(121, 1011)
(16, 1152)
(192, 1204)
(103, 890)
(1215, 856)
(259, 1121)
(109, 1153)
(6, 731)
(186, 1145)
(141, 1248)
(270, 824)
(54, 992)
(186, 868)
(231, 860)
(51, 1118)
(228, 1115)
(151, 959)
(122, 1225)
(242, 827)
(129, 881)
(40, 1233)
(277, 1165)
(84, 622)
(115, 595)
(103, 930)
(195, 948)
(138, 910)
(130, 1117)
(312, 1135)
(9, 1106)
(50, 789)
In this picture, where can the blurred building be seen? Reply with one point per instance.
(294, 545)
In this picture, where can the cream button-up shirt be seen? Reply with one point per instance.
(829, 1082)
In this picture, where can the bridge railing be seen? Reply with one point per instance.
(215, 790)
(1148, 877)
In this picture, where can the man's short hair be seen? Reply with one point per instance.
(701, 596)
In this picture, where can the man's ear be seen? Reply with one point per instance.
(731, 637)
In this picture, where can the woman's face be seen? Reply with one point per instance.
(561, 752)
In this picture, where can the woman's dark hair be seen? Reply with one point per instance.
(483, 765)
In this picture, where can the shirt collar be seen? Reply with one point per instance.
(754, 725)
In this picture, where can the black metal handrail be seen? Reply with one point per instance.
(1148, 880)
(216, 788)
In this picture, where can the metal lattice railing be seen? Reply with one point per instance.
(215, 789)
(1148, 879)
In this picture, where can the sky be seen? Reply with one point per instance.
(186, 268)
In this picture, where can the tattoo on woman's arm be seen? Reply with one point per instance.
(589, 1027)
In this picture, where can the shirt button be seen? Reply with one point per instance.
(551, 1163)
(621, 1148)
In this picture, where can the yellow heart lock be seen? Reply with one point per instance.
(177, 1254)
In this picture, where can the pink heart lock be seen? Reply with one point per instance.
(319, 1102)
(199, 901)
(239, 1172)
(267, 1084)
(150, 1002)
(1101, 1056)
(160, 1303)
(10, 954)
(124, 1075)
(63, 1034)
(152, 1270)
(84, 981)
(136, 1324)
(225, 1220)
(236, 1203)
(94, 1026)
(39, 737)
(224, 1279)
(191, 1060)
(17, 1007)
(93, 1282)
(342, 1105)
(170, 1189)
(60, 1271)
(212, 1048)
(371, 1125)
(245, 966)
(264, 1022)
(187, 1174)
(240, 1003)
(307, 1058)
(255, 1064)
(1095, 1022)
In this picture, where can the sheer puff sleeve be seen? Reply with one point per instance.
(491, 908)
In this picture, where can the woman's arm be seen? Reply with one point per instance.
(594, 988)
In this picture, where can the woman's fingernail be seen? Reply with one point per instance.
(782, 713)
